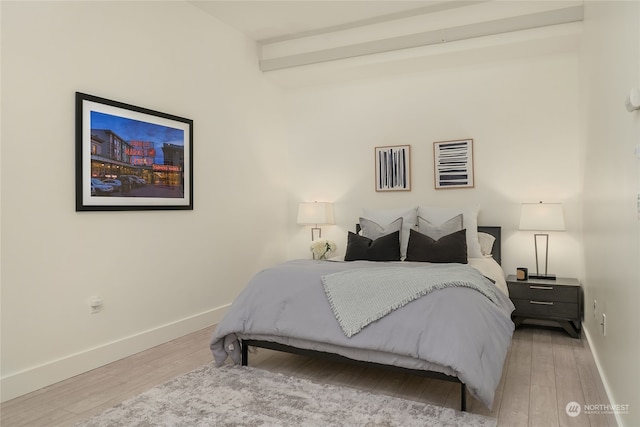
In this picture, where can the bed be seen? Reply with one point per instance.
(455, 333)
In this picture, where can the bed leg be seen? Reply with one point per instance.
(245, 353)
(463, 397)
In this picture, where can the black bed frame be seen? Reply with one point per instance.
(496, 253)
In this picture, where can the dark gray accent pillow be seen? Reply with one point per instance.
(450, 248)
(385, 248)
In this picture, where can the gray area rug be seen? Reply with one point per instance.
(245, 396)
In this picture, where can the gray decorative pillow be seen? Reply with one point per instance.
(438, 231)
(372, 230)
(386, 216)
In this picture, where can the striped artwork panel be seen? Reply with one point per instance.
(393, 168)
(453, 164)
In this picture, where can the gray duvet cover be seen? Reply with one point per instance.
(457, 331)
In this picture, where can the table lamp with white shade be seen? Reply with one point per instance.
(542, 217)
(315, 214)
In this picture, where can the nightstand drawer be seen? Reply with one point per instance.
(544, 292)
(546, 309)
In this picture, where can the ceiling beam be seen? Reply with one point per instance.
(446, 35)
(424, 10)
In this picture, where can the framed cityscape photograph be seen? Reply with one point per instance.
(131, 158)
(453, 164)
(393, 168)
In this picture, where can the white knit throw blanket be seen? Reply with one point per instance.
(362, 296)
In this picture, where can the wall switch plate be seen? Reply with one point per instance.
(96, 304)
(604, 324)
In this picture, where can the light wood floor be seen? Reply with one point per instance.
(545, 369)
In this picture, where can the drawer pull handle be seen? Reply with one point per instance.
(541, 302)
(546, 288)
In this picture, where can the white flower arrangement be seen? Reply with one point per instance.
(322, 248)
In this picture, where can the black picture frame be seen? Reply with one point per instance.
(131, 158)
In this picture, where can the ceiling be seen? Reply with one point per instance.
(302, 42)
(267, 21)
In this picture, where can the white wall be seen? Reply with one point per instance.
(611, 67)
(522, 114)
(520, 106)
(160, 274)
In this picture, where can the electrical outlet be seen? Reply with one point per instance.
(595, 306)
(604, 324)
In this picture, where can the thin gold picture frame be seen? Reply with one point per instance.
(453, 164)
(393, 168)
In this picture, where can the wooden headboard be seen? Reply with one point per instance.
(495, 231)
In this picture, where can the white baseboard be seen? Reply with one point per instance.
(585, 331)
(35, 378)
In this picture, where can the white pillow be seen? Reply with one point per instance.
(439, 215)
(486, 243)
(387, 216)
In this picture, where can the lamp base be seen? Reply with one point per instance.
(542, 276)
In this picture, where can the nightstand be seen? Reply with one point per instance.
(557, 300)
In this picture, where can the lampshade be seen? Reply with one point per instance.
(315, 213)
(541, 217)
